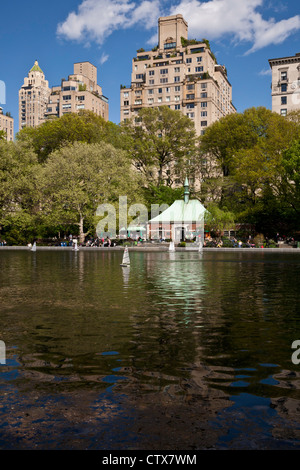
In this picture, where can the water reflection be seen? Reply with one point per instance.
(186, 328)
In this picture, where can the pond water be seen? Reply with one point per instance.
(181, 351)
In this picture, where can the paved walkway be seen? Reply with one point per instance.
(152, 247)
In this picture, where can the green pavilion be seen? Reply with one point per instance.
(183, 220)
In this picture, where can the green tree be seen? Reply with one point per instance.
(162, 144)
(79, 177)
(247, 148)
(19, 191)
(240, 131)
(289, 187)
(85, 126)
(218, 220)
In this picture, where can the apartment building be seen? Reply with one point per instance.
(80, 91)
(180, 73)
(33, 98)
(7, 125)
(285, 84)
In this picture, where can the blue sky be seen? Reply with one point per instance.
(243, 34)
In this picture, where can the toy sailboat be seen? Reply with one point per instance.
(126, 259)
(33, 247)
(75, 248)
(172, 246)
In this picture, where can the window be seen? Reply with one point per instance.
(177, 88)
(189, 61)
(160, 90)
(199, 59)
(170, 45)
(203, 113)
(204, 104)
(150, 92)
(190, 106)
(203, 95)
(177, 69)
(163, 71)
(151, 72)
(283, 100)
(139, 76)
(176, 79)
(151, 82)
(199, 69)
(203, 123)
(283, 75)
(177, 106)
(177, 98)
(163, 80)
(283, 88)
(66, 97)
(190, 87)
(190, 97)
(283, 112)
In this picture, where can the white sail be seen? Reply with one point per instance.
(172, 246)
(126, 259)
(75, 248)
(33, 247)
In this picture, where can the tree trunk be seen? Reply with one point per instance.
(81, 232)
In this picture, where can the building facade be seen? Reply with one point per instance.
(7, 125)
(79, 92)
(33, 98)
(285, 84)
(180, 73)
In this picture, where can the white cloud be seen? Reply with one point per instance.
(103, 58)
(265, 72)
(97, 19)
(239, 20)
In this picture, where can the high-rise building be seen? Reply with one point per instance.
(180, 73)
(80, 91)
(33, 98)
(7, 125)
(285, 84)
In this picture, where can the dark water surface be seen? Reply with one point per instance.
(181, 351)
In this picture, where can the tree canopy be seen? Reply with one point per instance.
(162, 145)
(55, 133)
(79, 177)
